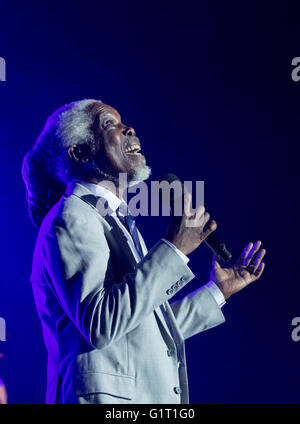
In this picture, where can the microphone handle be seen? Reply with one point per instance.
(218, 247)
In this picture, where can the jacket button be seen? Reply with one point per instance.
(177, 390)
(170, 291)
(171, 352)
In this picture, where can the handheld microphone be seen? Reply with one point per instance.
(213, 242)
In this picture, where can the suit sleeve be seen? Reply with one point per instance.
(197, 312)
(76, 265)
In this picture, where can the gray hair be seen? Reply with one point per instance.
(74, 123)
(70, 124)
(47, 168)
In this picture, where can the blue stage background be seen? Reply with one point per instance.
(208, 89)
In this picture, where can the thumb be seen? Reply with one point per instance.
(215, 262)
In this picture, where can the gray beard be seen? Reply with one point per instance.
(139, 175)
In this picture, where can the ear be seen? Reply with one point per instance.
(77, 153)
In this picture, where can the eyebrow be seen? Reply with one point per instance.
(110, 113)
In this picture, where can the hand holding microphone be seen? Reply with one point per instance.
(187, 232)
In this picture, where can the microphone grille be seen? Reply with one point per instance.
(169, 178)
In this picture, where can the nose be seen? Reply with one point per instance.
(128, 131)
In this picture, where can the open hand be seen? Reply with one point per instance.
(248, 268)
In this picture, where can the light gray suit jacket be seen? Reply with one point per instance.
(102, 312)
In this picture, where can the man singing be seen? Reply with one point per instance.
(111, 334)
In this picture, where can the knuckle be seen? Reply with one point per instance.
(213, 225)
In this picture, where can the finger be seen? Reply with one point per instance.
(252, 252)
(215, 262)
(187, 204)
(258, 259)
(211, 227)
(244, 254)
(200, 213)
(196, 219)
(259, 271)
(203, 220)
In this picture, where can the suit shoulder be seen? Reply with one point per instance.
(70, 211)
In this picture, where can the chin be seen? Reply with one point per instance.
(138, 175)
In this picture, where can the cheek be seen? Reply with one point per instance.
(114, 151)
(116, 157)
(112, 144)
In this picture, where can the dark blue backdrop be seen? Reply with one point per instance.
(208, 89)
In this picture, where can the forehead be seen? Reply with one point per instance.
(103, 109)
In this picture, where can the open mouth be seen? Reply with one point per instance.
(133, 150)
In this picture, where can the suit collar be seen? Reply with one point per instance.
(74, 187)
(114, 233)
(100, 191)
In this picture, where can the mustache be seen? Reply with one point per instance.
(133, 139)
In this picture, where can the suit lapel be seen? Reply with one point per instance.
(119, 242)
(143, 244)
